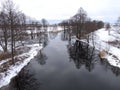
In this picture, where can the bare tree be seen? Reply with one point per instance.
(4, 31)
(11, 11)
(21, 27)
(80, 19)
(118, 21)
(30, 25)
(9, 8)
(44, 24)
(108, 27)
(118, 25)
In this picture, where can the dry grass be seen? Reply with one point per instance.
(113, 42)
(18, 51)
(5, 55)
(22, 50)
(102, 54)
(5, 66)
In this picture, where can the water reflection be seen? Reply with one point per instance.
(82, 54)
(106, 65)
(24, 81)
(44, 39)
(41, 58)
(64, 36)
(91, 73)
(53, 35)
(115, 70)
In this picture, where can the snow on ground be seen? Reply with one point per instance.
(3, 61)
(104, 36)
(1, 48)
(49, 29)
(14, 70)
(59, 28)
(54, 29)
(109, 43)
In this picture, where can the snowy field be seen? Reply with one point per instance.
(49, 29)
(54, 29)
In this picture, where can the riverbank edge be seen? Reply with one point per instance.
(15, 69)
(111, 55)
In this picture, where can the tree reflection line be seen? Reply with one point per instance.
(24, 81)
(82, 54)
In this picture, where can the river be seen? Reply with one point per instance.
(59, 67)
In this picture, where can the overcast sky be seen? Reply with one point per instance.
(106, 10)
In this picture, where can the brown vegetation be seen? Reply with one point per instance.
(5, 55)
(5, 66)
(102, 54)
(113, 42)
(18, 51)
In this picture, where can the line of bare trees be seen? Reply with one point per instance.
(80, 24)
(36, 27)
(13, 25)
(12, 22)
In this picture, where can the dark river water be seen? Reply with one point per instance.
(61, 66)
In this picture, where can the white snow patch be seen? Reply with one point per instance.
(1, 49)
(104, 36)
(49, 29)
(3, 61)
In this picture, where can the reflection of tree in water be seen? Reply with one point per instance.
(24, 81)
(45, 43)
(41, 58)
(53, 35)
(115, 70)
(43, 38)
(107, 66)
(82, 54)
(64, 36)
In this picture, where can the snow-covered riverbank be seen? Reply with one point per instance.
(15, 69)
(24, 58)
(107, 42)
